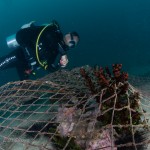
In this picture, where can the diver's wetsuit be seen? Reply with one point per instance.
(24, 57)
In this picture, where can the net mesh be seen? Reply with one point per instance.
(82, 109)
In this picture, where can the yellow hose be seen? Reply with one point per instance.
(37, 42)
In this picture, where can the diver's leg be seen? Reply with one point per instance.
(8, 61)
(12, 60)
(22, 65)
(15, 59)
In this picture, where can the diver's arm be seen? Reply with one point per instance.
(53, 67)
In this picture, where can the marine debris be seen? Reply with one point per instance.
(87, 108)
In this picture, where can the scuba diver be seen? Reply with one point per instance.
(38, 46)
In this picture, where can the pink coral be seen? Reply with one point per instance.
(65, 118)
(103, 142)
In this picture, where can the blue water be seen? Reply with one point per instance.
(111, 31)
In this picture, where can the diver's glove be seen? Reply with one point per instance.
(30, 24)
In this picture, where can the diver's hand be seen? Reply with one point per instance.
(64, 61)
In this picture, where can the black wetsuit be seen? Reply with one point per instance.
(50, 45)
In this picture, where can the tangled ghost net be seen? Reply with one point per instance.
(82, 109)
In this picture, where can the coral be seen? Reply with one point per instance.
(103, 141)
(81, 132)
(66, 119)
(118, 104)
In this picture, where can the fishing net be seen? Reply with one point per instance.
(87, 108)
